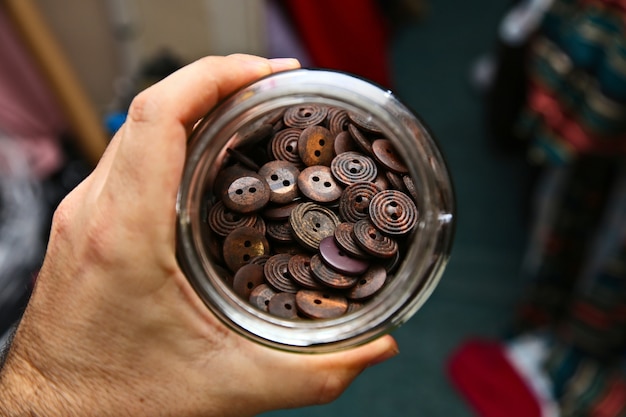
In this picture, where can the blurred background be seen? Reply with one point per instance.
(527, 99)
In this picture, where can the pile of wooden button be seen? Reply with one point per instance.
(311, 214)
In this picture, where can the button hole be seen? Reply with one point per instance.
(317, 153)
(322, 142)
(247, 243)
(274, 177)
(288, 306)
(317, 301)
(327, 184)
(286, 183)
(239, 191)
(246, 257)
(250, 285)
(316, 178)
(363, 282)
(252, 190)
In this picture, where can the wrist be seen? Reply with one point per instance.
(24, 391)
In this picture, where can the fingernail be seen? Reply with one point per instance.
(388, 354)
(281, 64)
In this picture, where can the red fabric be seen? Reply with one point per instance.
(483, 374)
(347, 35)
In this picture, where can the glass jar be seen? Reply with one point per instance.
(233, 123)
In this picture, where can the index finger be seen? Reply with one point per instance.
(147, 163)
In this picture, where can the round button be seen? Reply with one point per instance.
(284, 146)
(282, 178)
(344, 143)
(280, 231)
(369, 283)
(300, 269)
(246, 279)
(354, 203)
(320, 304)
(278, 212)
(311, 223)
(337, 121)
(410, 187)
(344, 239)
(329, 277)
(393, 212)
(261, 295)
(277, 273)
(259, 260)
(339, 260)
(318, 184)
(243, 244)
(395, 181)
(242, 190)
(386, 154)
(316, 146)
(283, 305)
(305, 115)
(352, 167)
(365, 122)
(359, 138)
(223, 220)
(372, 241)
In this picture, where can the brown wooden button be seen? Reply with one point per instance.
(278, 212)
(316, 146)
(369, 283)
(246, 279)
(393, 212)
(242, 190)
(311, 223)
(282, 178)
(259, 260)
(283, 305)
(386, 154)
(223, 220)
(300, 269)
(337, 121)
(305, 115)
(372, 241)
(328, 276)
(277, 273)
(395, 181)
(243, 244)
(339, 260)
(354, 203)
(344, 143)
(365, 122)
(284, 146)
(410, 187)
(381, 180)
(344, 239)
(260, 225)
(261, 295)
(359, 138)
(280, 231)
(318, 184)
(321, 304)
(352, 167)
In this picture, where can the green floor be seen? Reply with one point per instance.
(477, 294)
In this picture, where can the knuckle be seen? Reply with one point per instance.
(331, 389)
(143, 108)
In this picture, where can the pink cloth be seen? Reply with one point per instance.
(29, 113)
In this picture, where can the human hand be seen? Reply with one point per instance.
(113, 326)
